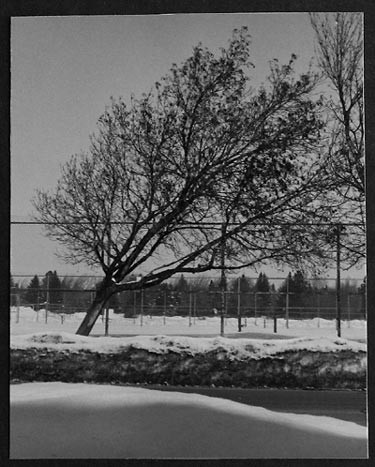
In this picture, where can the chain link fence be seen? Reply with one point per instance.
(193, 300)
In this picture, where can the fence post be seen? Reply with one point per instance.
(239, 304)
(255, 308)
(226, 307)
(165, 306)
(274, 312)
(106, 320)
(348, 315)
(190, 304)
(142, 305)
(134, 305)
(194, 307)
(222, 264)
(17, 308)
(109, 234)
(287, 303)
(338, 279)
(125, 307)
(47, 297)
(37, 305)
(318, 309)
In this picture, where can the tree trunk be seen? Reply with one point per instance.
(101, 297)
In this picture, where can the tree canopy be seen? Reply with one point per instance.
(200, 160)
(339, 46)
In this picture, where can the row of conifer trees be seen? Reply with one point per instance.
(196, 295)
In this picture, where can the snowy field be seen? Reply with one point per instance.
(62, 420)
(26, 321)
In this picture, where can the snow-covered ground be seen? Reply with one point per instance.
(27, 321)
(62, 420)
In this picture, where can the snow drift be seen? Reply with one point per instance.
(57, 420)
(27, 321)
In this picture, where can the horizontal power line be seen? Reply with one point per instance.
(61, 275)
(52, 289)
(196, 224)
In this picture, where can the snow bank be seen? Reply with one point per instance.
(142, 423)
(235, 349)
(300, 362)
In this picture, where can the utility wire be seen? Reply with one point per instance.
(195, 224)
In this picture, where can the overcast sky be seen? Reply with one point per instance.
(65, 69)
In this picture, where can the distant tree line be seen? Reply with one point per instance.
(61, 295)
(195, 295)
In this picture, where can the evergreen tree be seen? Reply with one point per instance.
(300, 292)
(262, 284)
(300, 284)
(362, 292)
(114, 303)
(52, 286)
(14, 291)
(215, 298)
(33, 295)
(127, 303)
(75, 296)
(128, 300)
(283, 290)
(181, 295)
(245, 295)
(263, 293)
(182, 284)
(162, 299)
(201, 297)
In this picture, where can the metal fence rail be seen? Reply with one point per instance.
(201, 303)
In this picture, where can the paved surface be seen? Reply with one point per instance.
(344, 405)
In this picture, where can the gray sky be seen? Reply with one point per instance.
(65, 69)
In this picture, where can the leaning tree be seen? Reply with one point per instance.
(200, 167)
(339, 48)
